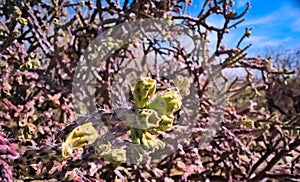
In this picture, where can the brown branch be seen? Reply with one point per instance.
(260, 175)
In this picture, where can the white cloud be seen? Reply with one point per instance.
(262, 42)
(279, 27)
(258, 21)
(296, 25)
(241, 3)
(285, 16)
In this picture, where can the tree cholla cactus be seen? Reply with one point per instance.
(5, 172)
(183, 84)
(166, 102)
(79, 137)
(154, 114)
(144, 89)
(83, 140)
(8, 153)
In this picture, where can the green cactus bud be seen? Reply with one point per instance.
(56, 21)
(82, 135)
(144, 89)
(166, 102)
(22, 21)
(144, 141)
(136, 135)
(66, 151)
(148, 135)
(151, 143)
(248, 32)
(36, 63)
(138, 141)
(15, 34)
(183, 84)
(115, 156)
(246, 122)
(103, 148)
(146, 118)
(166, 122)
(17, 12)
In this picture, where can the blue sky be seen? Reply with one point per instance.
(275, 23)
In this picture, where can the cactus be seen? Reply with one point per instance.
(8, 152)
(17, 12)
(146, 139)
(155, 115)
(166, 102)
(136, 135)
(115, 156)
(166, 122)
(22, 21)
(144, 89)
(80, 136)
(5, 172)
(112, 155)
(146, 118)
(183, 84)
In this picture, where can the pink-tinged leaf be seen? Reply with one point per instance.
(3, 141)
(31, 75)
(56, 167)
(30, 104)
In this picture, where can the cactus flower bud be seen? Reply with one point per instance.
(183, 84)
(146, 118)
(31, 128)
(166, 102)
(136, 135)
(115, 156)
(22, 21)
(17, 12)
(166, 122)
(144, 89)
(66, 150)
(56, 21)
(248, 32)
(82, 135)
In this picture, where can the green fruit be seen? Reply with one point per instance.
(146, 118)
(82, 135)
(166, 102)
(17, 12)
(22, 21)
(144, 89)
(115, 156)
(136, 135)
(183, 84)
(166, 122)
